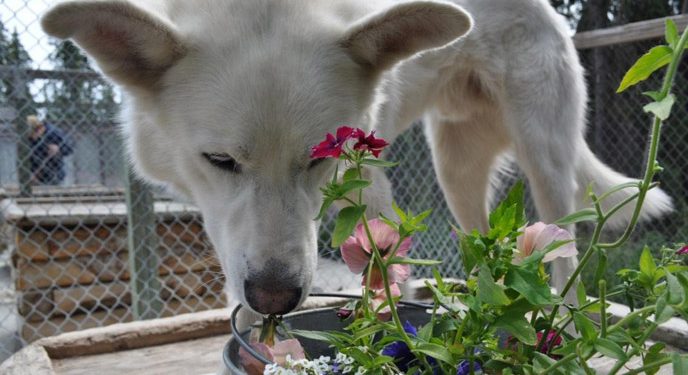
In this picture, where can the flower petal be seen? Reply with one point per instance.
(384, 236)
(375, 279)
(291, 347)
(252, 365)
(525, 243)
(551, 233)
(398, 273)
(404, 247)
(344, 133)
(355, 257)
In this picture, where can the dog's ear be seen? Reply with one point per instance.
(388, 37)
(130, 45)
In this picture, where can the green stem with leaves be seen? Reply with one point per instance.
(644, 187)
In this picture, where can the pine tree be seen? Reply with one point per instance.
(13, 55)
(77, 100)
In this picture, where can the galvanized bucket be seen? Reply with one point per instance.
(323, 319)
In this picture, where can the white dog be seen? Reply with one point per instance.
(224, 98)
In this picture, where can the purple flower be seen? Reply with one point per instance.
(400, 351)
(464, 368)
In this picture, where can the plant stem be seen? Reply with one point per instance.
(619, 364)
(654, 144)
(650, 366)
(630, 316)
(643, 188)
(603, 308)
(559, 363)
(377, 260)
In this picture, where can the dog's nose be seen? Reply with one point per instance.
(267, 297)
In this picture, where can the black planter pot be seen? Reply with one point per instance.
(323, 319)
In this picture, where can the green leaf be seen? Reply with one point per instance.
(529, 283)
(585, 327)
(679, 363)
(327, 202)
(674, 289)
(509, 215)
(654, 95)
(399, 211)
(661, 109)
(647, 263)
(518, 326)
(609, 348)
(330, 337)
(381, 360)
(490, 292)
(671, 33)
(367, 332)
(654, 354)
(541, 361)
(378, 163)
(345, 224)
(350, 174)
(586, 214)
(435, 351)
(663, 311)
(647, 64)
(417, 262)
(471, 254)
(351, 185)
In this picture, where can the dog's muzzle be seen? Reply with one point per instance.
(273, 291)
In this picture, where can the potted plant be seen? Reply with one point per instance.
(504, 319)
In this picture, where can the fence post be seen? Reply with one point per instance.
(20, 102)
(142, 243)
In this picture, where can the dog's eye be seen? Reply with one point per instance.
(315, 162)
(223, 161)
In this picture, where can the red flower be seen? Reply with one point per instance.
(553, 340)
(331, 147)
(370, 143)
(682, 251)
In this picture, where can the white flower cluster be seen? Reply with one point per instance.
(342, 364)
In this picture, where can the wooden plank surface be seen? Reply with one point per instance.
(193, 357)
(32, 360)
(134, 335)
(630, 32)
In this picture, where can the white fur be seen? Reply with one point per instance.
(263, 80)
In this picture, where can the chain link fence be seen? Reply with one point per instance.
(73, 255)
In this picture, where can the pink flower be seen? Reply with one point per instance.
(332, 146)
(356, 251)
(370, 143)
(538, 236)
(380, 297)
(277, 354)
(682, 251)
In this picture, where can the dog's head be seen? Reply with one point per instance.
(225, 98)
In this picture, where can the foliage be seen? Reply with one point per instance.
(506, 319)
(14, 55)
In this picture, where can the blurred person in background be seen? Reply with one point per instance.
(49, 147)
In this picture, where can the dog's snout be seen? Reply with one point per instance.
(272, 298)
(275, 290)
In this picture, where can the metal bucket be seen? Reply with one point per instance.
(324, 319)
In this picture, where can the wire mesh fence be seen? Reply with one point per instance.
(80, 258)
